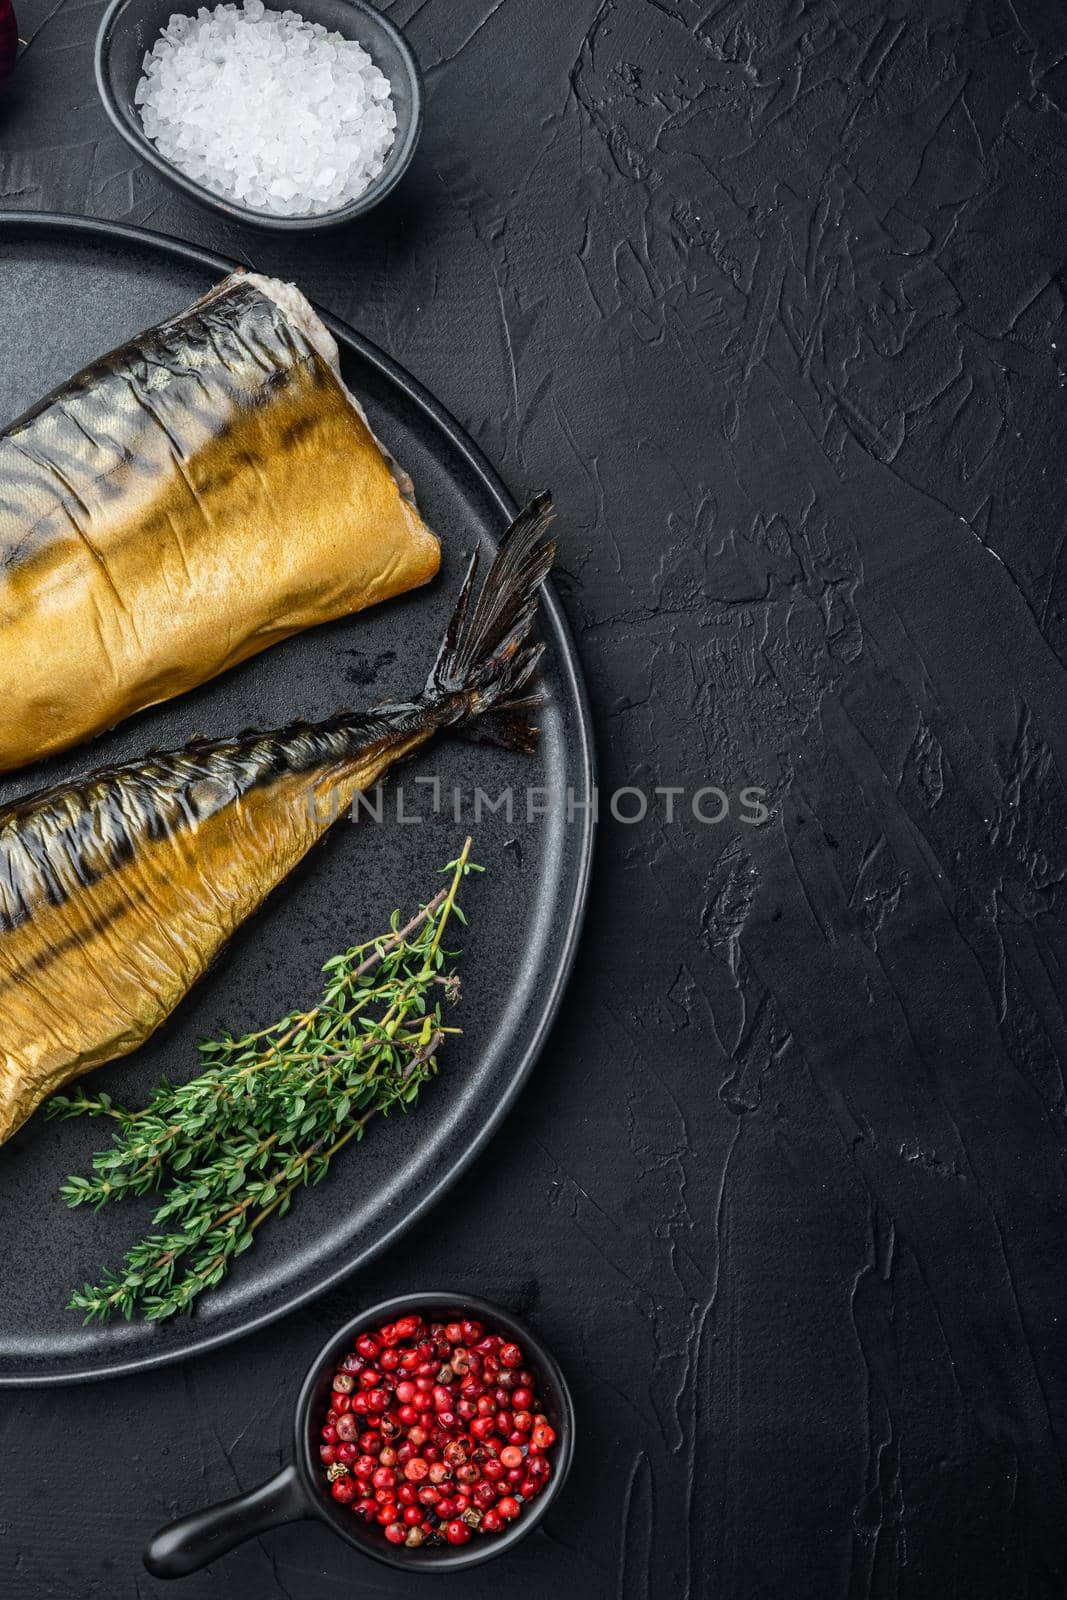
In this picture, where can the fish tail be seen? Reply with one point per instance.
(487, 662)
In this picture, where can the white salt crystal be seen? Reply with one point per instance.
(267, 109)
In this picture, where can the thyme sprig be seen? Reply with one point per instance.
(268, 1112)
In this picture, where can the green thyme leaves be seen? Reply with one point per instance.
(267, 1113)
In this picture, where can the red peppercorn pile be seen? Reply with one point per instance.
(435, 1432)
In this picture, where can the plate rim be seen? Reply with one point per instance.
(60, 225)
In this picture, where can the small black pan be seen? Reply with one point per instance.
(297, 1491)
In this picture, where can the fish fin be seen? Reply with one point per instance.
(486, 661)
(507, 726)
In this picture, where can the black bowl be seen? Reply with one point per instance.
(131, 27)
(297, 1492)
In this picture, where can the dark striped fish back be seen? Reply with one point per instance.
(63, 840)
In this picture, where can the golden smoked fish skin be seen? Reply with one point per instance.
(184, 503)
(117, 892)
(116, 896)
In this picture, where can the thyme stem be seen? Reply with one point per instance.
(268, 1113)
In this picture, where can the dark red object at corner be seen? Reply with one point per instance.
(9, 40)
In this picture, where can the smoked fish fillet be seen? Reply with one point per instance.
(118, 891)
(189, 500)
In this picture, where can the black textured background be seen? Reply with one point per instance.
(772, 295)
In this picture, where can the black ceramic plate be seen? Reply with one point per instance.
(69, 290)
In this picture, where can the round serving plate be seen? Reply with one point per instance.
(71, 289)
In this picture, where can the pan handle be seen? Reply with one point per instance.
(194, 1541)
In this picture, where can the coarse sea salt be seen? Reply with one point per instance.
(267, 109)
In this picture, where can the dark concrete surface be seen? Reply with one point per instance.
(772, 294)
